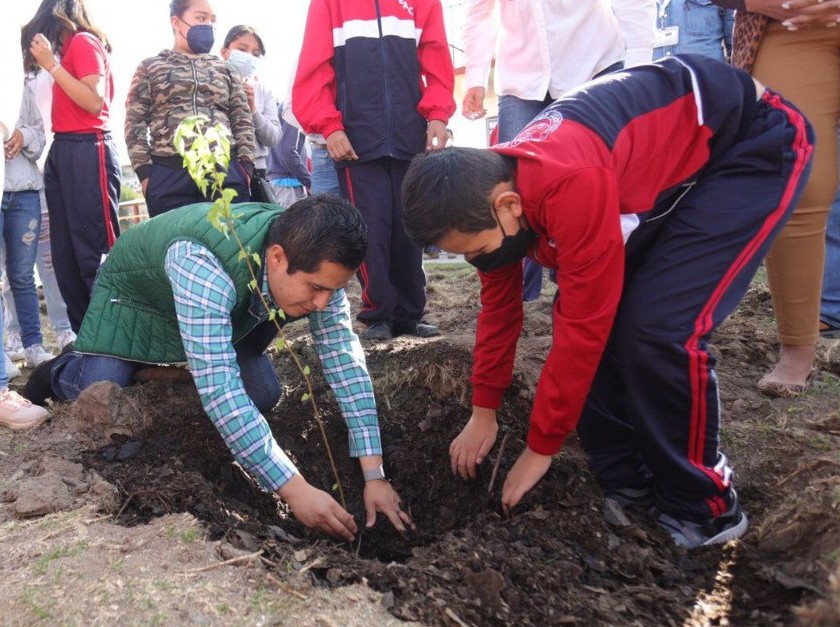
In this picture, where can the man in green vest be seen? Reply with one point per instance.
(174, 289)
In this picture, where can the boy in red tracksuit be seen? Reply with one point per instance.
(375, 78)
(654, 193)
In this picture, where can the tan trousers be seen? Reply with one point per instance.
(804, 66)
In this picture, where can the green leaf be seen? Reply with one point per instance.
(252, 285)
(335, 487)
(280, 343)
(306, 371)
(305, 397)
(241, 256)
(256, 258)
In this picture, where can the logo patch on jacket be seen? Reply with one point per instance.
(539, 129)
(405, 5)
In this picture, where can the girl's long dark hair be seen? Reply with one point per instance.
(56, 19)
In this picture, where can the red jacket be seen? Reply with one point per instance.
(377, 69)
(586, 167)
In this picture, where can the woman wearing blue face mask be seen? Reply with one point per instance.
(242, 49)
(176, 84)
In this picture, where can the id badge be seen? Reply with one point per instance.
(668, 36)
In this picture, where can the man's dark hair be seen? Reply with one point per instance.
(56, 19)
(317, 229)
(241, 29)
(449, 190)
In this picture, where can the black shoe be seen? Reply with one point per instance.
(418, 328)
(378, 331)
(39, 386)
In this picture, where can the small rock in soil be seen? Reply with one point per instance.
(614, 514)
(41, 495)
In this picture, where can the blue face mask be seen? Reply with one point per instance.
(244, 63)
(200, 38)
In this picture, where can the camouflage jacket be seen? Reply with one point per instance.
(172, 86)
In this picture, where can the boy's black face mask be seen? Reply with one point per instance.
(514, 248)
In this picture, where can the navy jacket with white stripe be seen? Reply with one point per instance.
(378, 70)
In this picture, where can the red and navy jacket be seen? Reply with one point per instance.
(586, 167)
(377, 69)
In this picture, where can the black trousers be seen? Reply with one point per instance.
(82, 187)
(392, 278)
(171, 187)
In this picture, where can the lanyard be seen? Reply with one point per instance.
(663, 6)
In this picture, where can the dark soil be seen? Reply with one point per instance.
(556, 561)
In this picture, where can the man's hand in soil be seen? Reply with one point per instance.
(476, 439)
(317, 510)
(381, 497)
(528, 469)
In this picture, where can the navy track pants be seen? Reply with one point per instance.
(392, 278)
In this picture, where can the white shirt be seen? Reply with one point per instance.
(551, 46)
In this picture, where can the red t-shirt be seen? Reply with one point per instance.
(82, 55)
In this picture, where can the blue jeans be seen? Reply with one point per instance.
(20, 223)
(56, 309)
(830, 306)
(324, 176)
(705, 29)
(72, 373)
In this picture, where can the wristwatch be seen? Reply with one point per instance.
(374, 474)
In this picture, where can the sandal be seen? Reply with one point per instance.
(778, 389)
(829, 332)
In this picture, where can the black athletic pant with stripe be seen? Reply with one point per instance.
(392, 278)
(82, 187)
(653, 413)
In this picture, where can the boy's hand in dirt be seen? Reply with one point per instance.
(528, 469)
(381, 497)
(317, 510)
(476, 439)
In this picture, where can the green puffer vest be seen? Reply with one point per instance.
(132, 309)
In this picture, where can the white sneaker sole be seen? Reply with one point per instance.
(730, 534)
(23, 426)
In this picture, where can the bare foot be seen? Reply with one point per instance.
(790, 375)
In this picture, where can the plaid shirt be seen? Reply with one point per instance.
(204, 298)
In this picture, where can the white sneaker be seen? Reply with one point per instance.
(14, 347)
(36, 355)
(18, 413)
(12, 371)
(64, 338)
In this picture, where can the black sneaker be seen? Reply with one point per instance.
(693, 535)
(417, 328)
(378, 331)
(39, 386)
